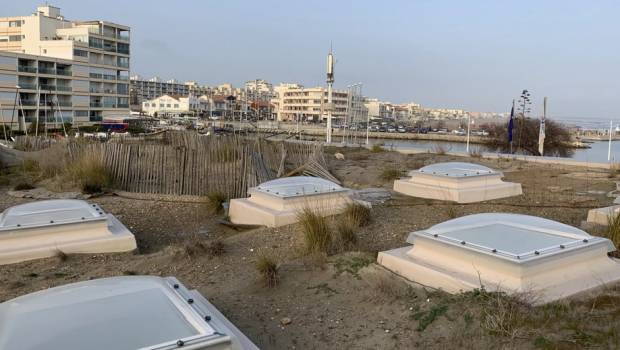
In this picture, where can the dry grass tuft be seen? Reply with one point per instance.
(267, 268)
(613, 231)
(316, 231)
(23, 186)
(390, 174)
(356, 215)
(452, 212)
(90, 173)
(377, 148)
(475, 153)
(61, 256)
(216, 248)
(196, 246)
(216, 201)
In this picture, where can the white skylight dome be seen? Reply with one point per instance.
(511, 236)
(457, 169)
(278, 202)
(42, 229)
(458, 182)
(57, 211)
(298, 186)
(505, 252)
(120, 313)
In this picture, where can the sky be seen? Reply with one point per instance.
(474, 55)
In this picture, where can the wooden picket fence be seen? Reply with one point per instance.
(191, 164)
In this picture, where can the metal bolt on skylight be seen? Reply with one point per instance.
(190, 301)
(207, 318)
(180, 343)
(175, 286)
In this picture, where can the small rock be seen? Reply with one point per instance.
(285, 321)
(339, 156)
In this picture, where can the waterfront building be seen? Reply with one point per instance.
(297, 103)
(147, 89)
(55, 69)
(176, 106)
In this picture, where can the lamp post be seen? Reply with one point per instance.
(330, 82)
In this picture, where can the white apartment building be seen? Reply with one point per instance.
(147, 89)
(176, 106)
(295, 102)
(51, 66)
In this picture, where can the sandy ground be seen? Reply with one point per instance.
(345, 300)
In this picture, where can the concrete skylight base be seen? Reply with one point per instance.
(600, 216)
(457, 182)
(44, 228)
(505, 252)
(278, 202)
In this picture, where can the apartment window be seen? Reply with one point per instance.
(161, 105)
(153, 105)
(80, 53)
(81, 113)
(168, 105)
(15, 38)
(122, 62)
(15, 23)
(176, 105)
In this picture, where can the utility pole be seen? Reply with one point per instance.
(330, 82)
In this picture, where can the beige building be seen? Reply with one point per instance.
(74, 70)
(295, 102)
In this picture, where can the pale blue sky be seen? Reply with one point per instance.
(475, 55)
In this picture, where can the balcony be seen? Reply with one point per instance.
(47, 87)
(109, 77)
(47, 70)
(109, 48)
(96, 91)
(27, 86)
(63, 72)
(123, 50)
(122, 78)
(64, 88)
(96, 76)
(96, 104)
(26, 69)
(109, 105)
(29, 102)
(65, 104)
(123, 105)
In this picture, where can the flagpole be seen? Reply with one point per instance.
(513, 108)
(611, 124)
(468, 126)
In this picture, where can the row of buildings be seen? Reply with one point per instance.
(56, 70)
(53, 69)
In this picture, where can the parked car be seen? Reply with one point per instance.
(391, 129)
(382, 129)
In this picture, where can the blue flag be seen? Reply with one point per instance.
(511, 123)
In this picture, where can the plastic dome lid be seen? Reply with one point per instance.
(49, 212)
(513, 236)
(457, 169)
(298, 186)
